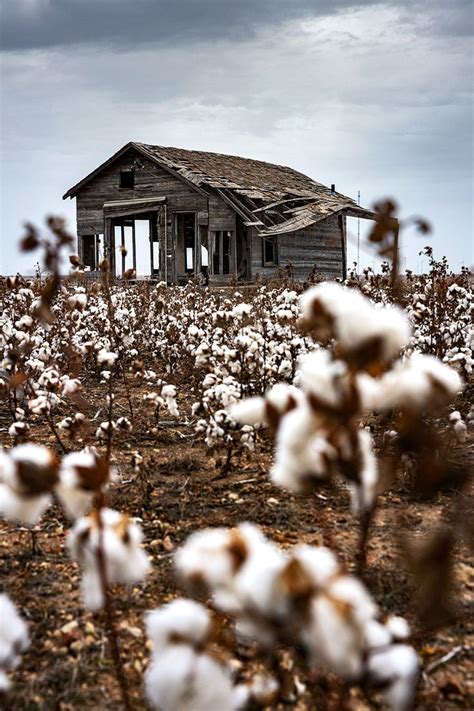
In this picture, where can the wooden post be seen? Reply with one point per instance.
(166, 246)
(342, 220)
(134, 247)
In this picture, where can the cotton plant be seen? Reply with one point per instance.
(107, 546)
(301, 598)
(14, 640)
(317, 425)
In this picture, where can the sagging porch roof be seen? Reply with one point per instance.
(274, 199)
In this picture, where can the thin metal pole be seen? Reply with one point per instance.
(358, 235)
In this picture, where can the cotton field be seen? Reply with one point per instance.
(237, 498)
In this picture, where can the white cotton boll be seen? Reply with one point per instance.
(397, 666)
(417, 383)
(258, 585)
(14, 637)
(18, 428)
(319, 562)
(363, 494)
(398, 627)
(460, 430)
(368, 389)
(126, 562)
(322, 376)
(27, 510)
(205, 557)
(348, 589)
(241, 310)
(455, 416)
(376, 635)
(331, 297)
(282, 397)
(71, 488)
(331, 639)
(295, 458)
(107, 358)
(27, 475)
(388, 324)
(180, 679)
(250, 411)
(182, 618)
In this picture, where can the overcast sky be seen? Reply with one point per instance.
(372, 96)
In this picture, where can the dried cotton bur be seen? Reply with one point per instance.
(301, 599)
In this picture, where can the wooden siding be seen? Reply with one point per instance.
(319, 245)
(150, 181)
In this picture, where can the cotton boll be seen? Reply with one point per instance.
(81, 474)
(319, 562)
(336, 633)
(250, 411)
(107, 358)
(331, 639)
(258, 585)
(323, 377)
(205, 558)
(182, 619)
(417, 383)
(376, 634)
(296, 456)
(18, 428)
(27, 510)
(398, 627)
(181, 679)
(14, 637)
(460, 430)
(398, 668)
(27, 475)
(373, 334)
(125, 561)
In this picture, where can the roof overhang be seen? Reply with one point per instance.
(120, 208)
(311, 214)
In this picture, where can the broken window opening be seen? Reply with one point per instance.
(127, 179)
(185, 243)
(270, 257)
(222, 252)
(92, 251)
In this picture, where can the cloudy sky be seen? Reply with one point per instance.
(372, 96)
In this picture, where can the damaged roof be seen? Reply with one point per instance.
(274, 198)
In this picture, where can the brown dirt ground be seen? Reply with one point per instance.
(68, 666)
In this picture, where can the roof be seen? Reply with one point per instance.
(276, 199)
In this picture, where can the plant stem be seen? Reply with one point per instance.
(110, 617)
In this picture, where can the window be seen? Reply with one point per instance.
(91, 251)
(270, 257)
(127, 179)
(222, 252)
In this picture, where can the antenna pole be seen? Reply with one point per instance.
(358, 235)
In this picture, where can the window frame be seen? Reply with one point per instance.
(274, 261)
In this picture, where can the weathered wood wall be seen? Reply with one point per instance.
(150, 181)
(319, 245)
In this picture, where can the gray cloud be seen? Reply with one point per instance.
(46, 23)
(362, 98)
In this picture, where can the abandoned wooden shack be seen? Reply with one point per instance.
(174, 214)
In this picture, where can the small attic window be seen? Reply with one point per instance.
(127, 179)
